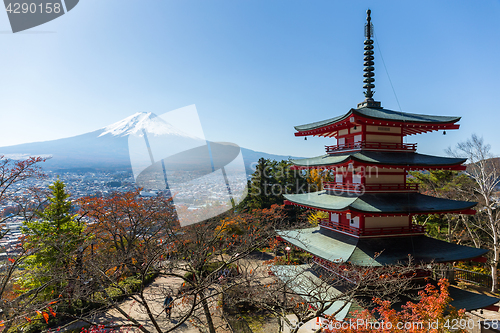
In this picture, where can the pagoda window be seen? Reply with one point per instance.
(355, 222)
(356, 178)
(339, 178)
(334, 217)
(341, 141)
(358, 138)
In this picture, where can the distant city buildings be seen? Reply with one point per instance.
(82, 184)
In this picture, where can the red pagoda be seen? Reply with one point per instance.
(370, 204)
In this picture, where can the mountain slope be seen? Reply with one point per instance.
(107, 148)
(143, 121)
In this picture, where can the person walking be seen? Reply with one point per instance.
(168, 304)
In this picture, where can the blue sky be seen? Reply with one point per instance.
(254, 68)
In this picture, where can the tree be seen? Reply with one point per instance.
(309, 289)
(136, 238)
(125, 226)
(484, 169)
(129, 240)
(316, 178)
(13, 177)
(211, 253)
(314, 217)
(270, 181)
(432, 313)
(308, 293)
(12, 174)
(52, 241)
(452, 185)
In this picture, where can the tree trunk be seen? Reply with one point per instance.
(496, 254)
(206, 310)
(449, 229)
(494, 266)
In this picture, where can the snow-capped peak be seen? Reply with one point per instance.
(139, 122)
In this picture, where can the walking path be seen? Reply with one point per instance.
(155, 295)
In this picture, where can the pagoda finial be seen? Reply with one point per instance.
(368, 62)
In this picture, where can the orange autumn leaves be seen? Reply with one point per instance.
(432, 313)
(125, 225)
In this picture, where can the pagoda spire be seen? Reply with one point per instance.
(368, 63)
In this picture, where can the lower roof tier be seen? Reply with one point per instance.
(380, 203)
(336, 247)
(305, 279)
(408, 160)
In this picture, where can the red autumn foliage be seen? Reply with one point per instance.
(127, 226)
(45, 316)
(432, 313)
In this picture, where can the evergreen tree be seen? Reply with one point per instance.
(53, 240)
(260, 184)
(270, 181)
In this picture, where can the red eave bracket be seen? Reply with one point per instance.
(492, 308)
(288, 202)
(479, 259)
(466, 212)
(342, 124)
(356, 164)
(409, 128)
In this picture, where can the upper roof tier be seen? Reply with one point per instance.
(409, 122)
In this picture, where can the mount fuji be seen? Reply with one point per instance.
(107, 148)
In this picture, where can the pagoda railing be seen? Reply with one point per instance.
(369, 188)
(413, 229)
(371, 145)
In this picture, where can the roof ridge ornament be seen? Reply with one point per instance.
(368, 63)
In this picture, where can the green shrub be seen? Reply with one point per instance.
(209, 268)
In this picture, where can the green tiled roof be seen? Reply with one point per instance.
(379, 202)
(380, 157)
(382, 114)
(321, 245)
(302, 281)
(322, 123)
(333, 246)
(463, 299)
